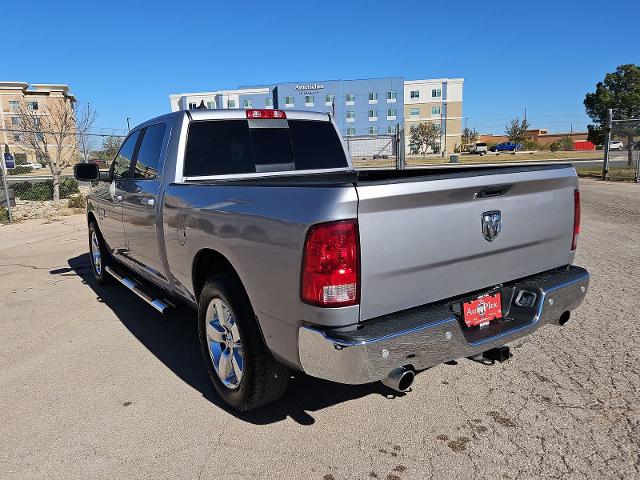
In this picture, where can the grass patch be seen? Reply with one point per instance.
(619, 174)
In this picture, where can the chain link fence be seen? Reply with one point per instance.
(374, 151)
(27, 182)
(624, 150)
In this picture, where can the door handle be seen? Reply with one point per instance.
(493, 191)
(149, 201)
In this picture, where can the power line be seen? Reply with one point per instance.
(15, 130)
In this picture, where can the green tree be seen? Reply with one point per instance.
(469, 136)
(564, 143)
(425, 135)
(516, 130)
(619, 91)
(110, 147)
(596, 134)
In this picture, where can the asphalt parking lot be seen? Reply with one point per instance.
(96, 384)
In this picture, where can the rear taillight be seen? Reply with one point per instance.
(266, 113)
(330, 265)
(576, 219)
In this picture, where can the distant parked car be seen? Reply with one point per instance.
(636, 145)
(506, 147)
(479, 149)
(34, 165)
(616, 145)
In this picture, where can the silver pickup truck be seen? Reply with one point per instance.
(295, 261)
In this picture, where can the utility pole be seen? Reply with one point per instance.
(607, 140)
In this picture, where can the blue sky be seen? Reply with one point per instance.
(125, 58)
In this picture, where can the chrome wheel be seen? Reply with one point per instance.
(96, 257)
(225, 346)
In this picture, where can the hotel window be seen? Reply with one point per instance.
(288, 101)
(37, 122)
(211, 105)
(391, 114)
(435, 110)
(15, 120)
(350, 98)
(17, 137)
(415, 94)
(231, 104)
(391, 129)
(351, 116)
(192, 105)
(413, 128)
(32, 105)
(351, 131)
(391, 96)
(246, 103)
(373, 97)
(415, 112)
(328, 100)
(373, 130)
(308, 100)
(14, 104)
(436, 93)
(268, 102)
(373, 115)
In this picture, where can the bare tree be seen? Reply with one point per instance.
(52, 131)
(85, 116)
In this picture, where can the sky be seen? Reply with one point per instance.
(125, 58)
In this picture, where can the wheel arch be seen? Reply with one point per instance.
(91, 218)
(208, 262)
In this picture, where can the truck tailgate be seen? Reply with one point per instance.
(422, 240)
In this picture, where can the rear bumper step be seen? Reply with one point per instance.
(426, 336)
(136, 287)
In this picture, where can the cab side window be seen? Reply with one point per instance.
(148, 157)
(122, 162)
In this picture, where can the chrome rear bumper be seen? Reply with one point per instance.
(433, 334)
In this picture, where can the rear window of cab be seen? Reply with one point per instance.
(224, 147)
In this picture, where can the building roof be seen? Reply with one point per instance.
(36, 88)
(435, 80)
(14, 85)
(50, 87)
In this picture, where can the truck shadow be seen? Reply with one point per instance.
(173, 339)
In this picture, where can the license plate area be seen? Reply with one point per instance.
(481, 311)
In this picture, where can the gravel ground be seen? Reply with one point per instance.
(95, 384)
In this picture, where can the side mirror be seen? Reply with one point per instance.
(86, 171)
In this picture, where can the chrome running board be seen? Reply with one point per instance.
(159, 304)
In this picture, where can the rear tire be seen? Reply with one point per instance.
(241, 367)
(99, 254)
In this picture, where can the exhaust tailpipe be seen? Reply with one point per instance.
(399, 379)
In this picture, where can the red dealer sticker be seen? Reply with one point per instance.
(482, 310)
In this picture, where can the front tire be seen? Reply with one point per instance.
(243, 371)
(99, 254)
